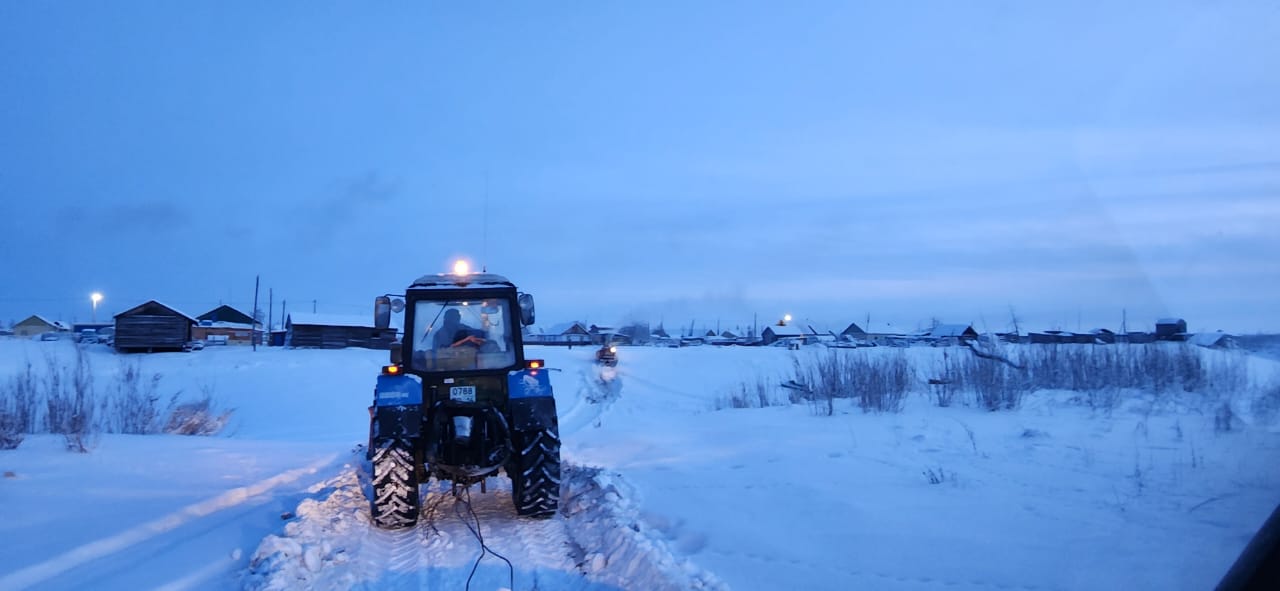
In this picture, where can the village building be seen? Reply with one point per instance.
(853, 332)
(1213, 340)
(950, 334)
(225, 325)
(152, 326)
(331, 331)
(1103, 335)
(38, 325)
(1171, 329)
(774, 333)
(637, 333)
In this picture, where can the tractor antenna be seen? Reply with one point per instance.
(484, 241)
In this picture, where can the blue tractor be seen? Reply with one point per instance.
(460, 401)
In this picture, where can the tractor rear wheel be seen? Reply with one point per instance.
(535, 473)
(395, 485)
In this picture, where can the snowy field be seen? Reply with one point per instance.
(664, 487)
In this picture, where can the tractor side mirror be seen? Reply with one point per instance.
(526, 308)
(382, 312)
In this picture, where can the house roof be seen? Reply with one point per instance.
(38, 318)
(951, 330)
(162, 305)
(789, 330)
(225, 313)
(853, 328)
(1169, 321)
(1208, 339)
(307, 319)
(567, 328)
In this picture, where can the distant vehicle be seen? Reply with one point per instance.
(607, 355)
(193, 346)
(49, 336)
(88, 336)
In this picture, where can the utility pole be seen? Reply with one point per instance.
(253, 326)
(313, 306)
(271, 310)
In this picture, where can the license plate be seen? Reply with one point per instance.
(462, 393)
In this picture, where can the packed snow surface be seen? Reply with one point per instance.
(666, 486)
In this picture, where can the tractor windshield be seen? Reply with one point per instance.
(460, 335)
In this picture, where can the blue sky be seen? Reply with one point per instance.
(653, 161)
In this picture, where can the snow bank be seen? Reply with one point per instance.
(617, 546)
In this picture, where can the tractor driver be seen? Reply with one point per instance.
(453, 333)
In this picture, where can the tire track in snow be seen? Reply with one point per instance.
(440, 551)
(108, 546)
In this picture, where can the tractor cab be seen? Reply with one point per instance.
(463, 324)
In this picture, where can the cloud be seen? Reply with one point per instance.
(124, 218)
(367, 189)
(344, 205)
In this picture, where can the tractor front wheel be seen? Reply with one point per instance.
(395, 485)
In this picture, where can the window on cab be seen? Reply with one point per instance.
(462, 335)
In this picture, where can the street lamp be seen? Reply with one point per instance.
(95, 297)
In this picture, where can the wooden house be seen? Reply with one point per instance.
(328, 331)
(774, 333)
(152, 326)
